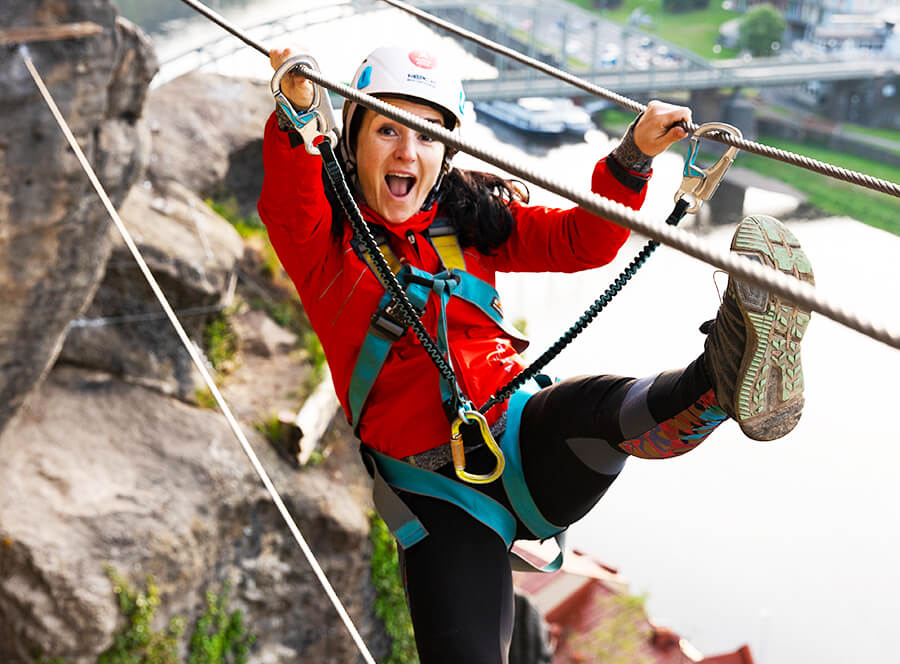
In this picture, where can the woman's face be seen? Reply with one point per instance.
(397, 166)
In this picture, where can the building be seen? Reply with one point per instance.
(592, 618)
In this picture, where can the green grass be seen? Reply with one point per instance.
(615, 120)
(833, 196)
(390, 600)
(886, 134)
(696, 31)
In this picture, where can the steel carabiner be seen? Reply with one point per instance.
(459, 454)
(313, 121)
(701, 183)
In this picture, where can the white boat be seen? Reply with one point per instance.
(539, 116)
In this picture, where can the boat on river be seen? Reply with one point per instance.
(539, 116)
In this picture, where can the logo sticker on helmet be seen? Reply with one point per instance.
(422, 59)
(365, 78)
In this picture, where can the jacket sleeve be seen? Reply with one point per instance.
(292, 204)
(555, 240)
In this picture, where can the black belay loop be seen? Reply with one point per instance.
(586, 318)
(383, 271)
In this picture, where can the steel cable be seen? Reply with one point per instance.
(793, 290)
(823, 168)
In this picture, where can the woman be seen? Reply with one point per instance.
(568, 441)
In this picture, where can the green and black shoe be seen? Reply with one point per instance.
(752, 353)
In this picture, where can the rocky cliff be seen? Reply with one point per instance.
(104, 458)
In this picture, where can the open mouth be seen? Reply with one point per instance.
(399, 184)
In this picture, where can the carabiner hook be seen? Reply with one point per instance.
(314, 121)
(699, 183)
(459, 454)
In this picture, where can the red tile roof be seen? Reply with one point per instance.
(590, 614)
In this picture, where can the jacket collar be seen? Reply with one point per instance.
(416, 223)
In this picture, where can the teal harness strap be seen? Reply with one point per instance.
(513, 476)
(375, 349)
(449, 283)
(407, 528)
(391, 473)
(516, 488)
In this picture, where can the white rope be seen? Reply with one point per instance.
(794, 290)
(198, 360)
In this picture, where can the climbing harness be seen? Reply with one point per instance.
(814, 165)
(196, 358)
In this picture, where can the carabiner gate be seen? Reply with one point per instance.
(314, 121)
(699, 183)
(459, 454)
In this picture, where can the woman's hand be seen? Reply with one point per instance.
(297, 89)
(658, 127)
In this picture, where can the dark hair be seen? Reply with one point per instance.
(477, 204)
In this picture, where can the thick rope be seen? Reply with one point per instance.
(854, 177)
(793, 290)
(197, 359)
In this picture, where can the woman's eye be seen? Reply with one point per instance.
(386, 131)
(425, 138)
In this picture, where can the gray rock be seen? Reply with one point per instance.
(191, 252)
(96, 472)
(207, 136)
(53, 228)
(261, 336)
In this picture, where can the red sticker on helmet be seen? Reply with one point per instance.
(422, 59)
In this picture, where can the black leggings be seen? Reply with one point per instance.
(572, 437)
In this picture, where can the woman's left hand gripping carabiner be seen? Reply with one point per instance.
(457, 450)
(305, 103)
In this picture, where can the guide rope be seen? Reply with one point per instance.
(196, 357)
(737, 266)
(823, 168)
(792, 289)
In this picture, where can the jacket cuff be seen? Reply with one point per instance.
(629, 155)
(284, 122)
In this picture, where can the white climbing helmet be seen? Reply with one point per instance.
(412, 74)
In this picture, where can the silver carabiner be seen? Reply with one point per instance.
(315, 120)
(701, 183)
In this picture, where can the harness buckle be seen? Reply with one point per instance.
(459, 454)
(315, 120)
(386, 325)
(701, 183)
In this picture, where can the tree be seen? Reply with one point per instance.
(761, 30)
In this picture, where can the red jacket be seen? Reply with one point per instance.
(403, 414)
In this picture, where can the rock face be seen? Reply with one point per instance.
(97, 471)
(53, 229)
(192, 253)
(203, 143)
(100, 465)
(207, 136)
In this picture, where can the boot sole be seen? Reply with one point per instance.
(768, 397)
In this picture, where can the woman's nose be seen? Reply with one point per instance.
(406, 148)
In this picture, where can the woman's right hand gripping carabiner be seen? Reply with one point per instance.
(299, 91)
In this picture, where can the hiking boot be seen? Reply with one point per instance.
(752, 353)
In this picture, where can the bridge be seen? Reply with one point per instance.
(624, 59)
(772, 73)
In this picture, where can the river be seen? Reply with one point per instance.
(791, 546)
